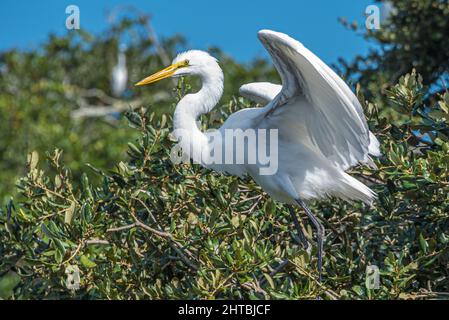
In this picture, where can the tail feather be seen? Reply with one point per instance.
(374, 147)
(353, 190)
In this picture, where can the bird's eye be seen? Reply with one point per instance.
(186, 63)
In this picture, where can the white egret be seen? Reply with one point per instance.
(321, 127)
(119, 77)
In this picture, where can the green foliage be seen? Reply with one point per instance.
(414, 35)
(42, 90)
(155, 230)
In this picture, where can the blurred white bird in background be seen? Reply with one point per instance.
(322, 130)
(119, 77)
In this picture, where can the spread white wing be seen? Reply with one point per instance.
(314, 106)
(264, 92)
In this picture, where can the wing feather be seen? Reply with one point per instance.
(334, 122)
(260, 92)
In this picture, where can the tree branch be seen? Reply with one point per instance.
(160, 233)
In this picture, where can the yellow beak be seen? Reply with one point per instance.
(163, 74)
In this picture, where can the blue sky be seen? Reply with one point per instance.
(231, 24)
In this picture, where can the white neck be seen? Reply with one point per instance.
(191, 139)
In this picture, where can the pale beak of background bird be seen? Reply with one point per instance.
(163, 74)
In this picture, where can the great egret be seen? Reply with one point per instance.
(321, 127)
(119, 77)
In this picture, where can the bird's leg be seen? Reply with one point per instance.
(319, 235)
(302, 239)
(298, 226)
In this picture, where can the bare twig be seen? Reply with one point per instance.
(160, 233)
(147, 228)
(173, 244)
(94, 242)
(110, 105)
(120, 229)
(78, 249)
(329, 293)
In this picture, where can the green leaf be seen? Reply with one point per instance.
(33, 160)
(423, 244)
(134, 151)
(444, 106)
(69, 213)
(235, 221)
(47, 231)
(85, 261)
(60, 247)
(86, 186)
(270, 207)
(358, 290)
(7, 284)
(270, 280)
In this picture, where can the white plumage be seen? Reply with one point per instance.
(322, 130)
